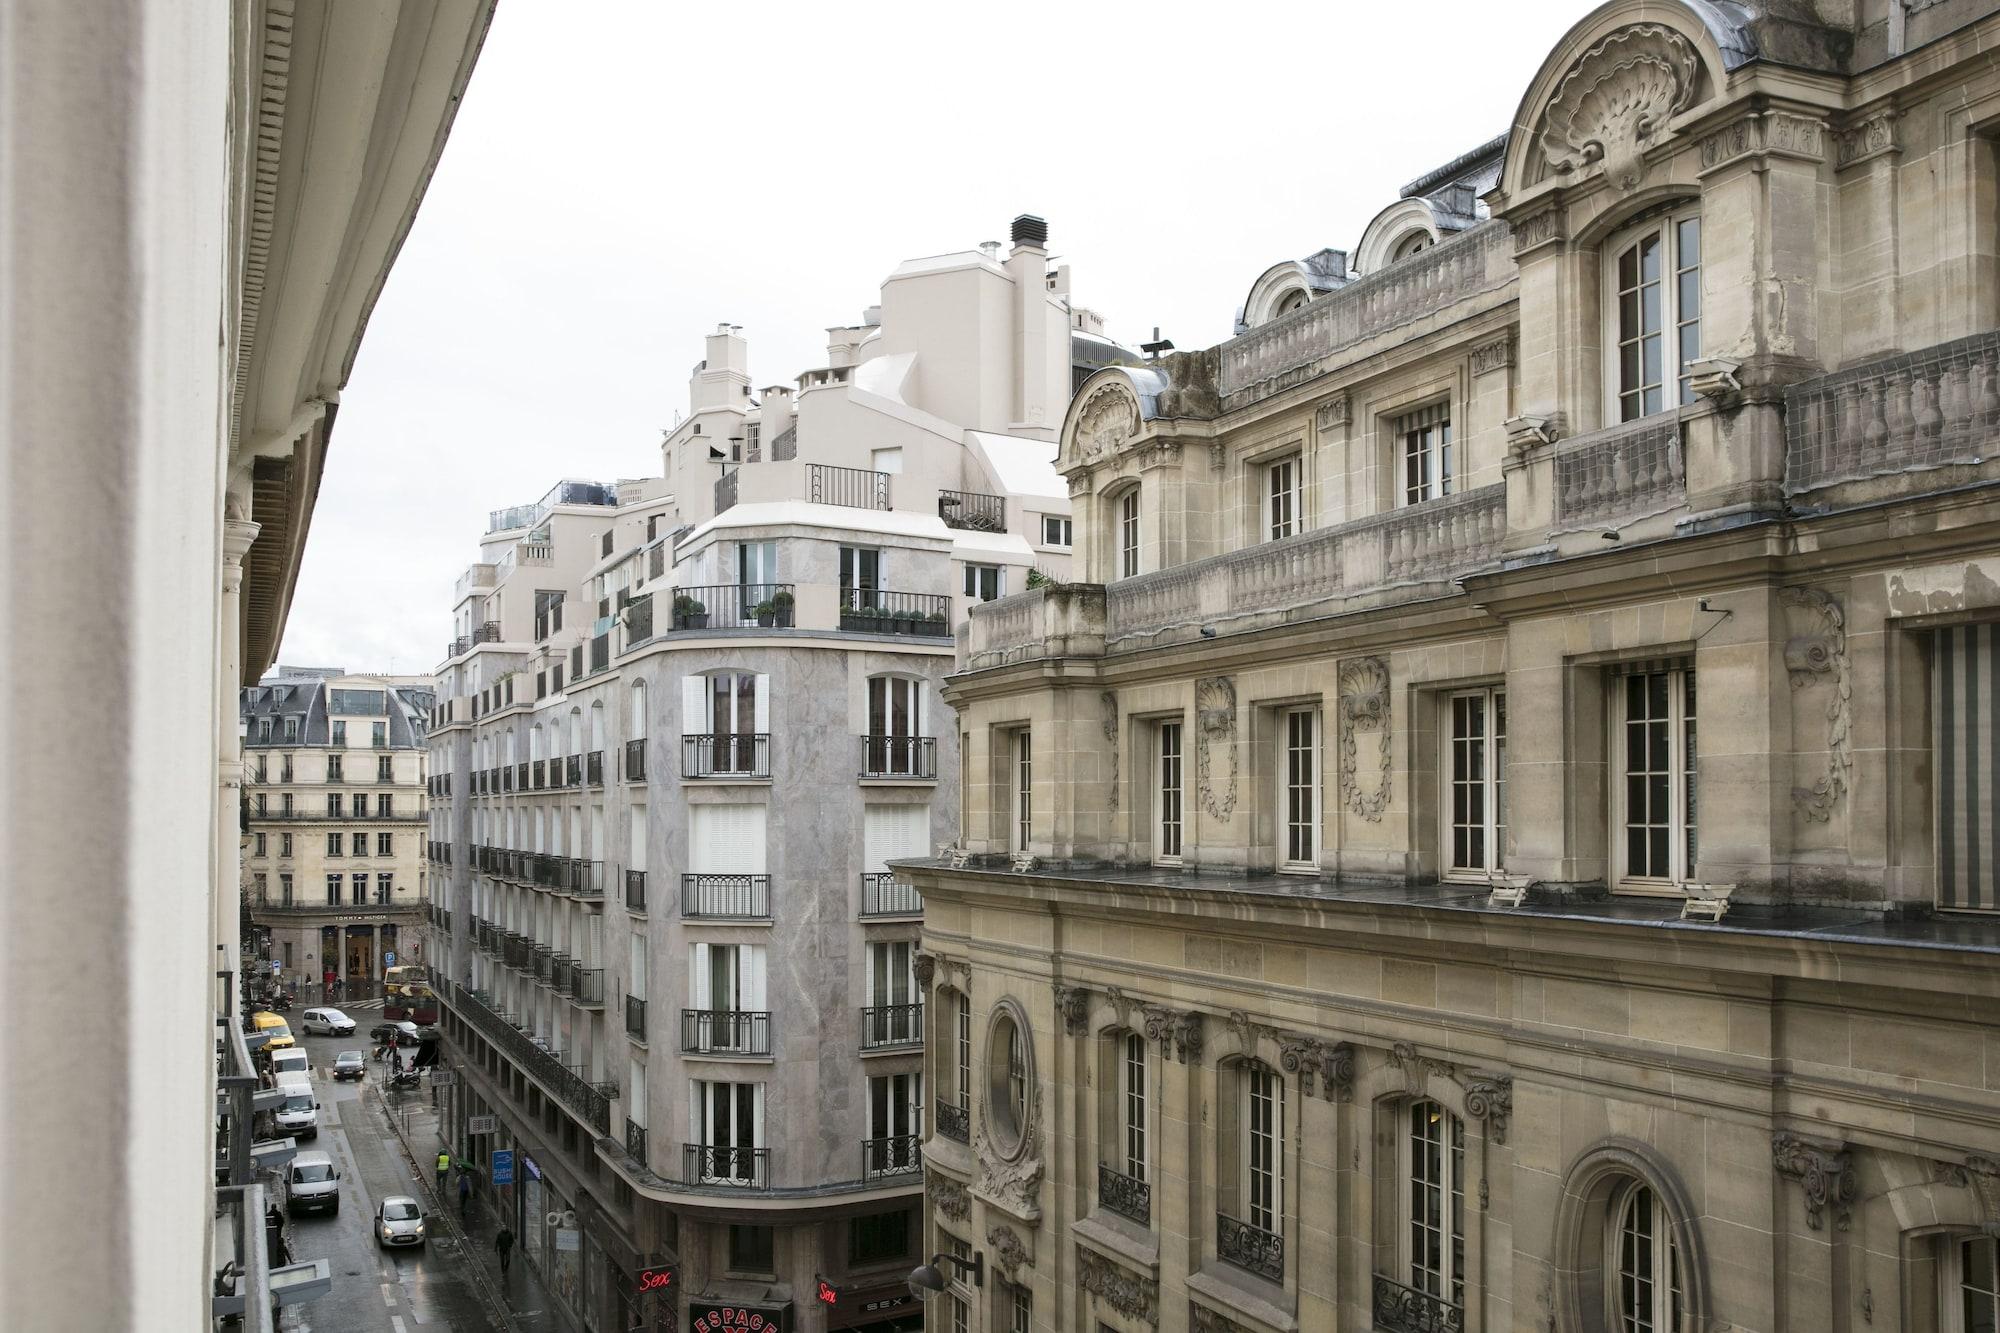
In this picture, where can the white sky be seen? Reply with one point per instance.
(623, 177)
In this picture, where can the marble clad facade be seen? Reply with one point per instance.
(1499, 834)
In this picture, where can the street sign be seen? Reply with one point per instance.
(388, 958)
(503, 1167)
(443, 1078)
(569, 1240)
(482, 1124)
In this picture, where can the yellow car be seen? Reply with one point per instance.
(280, 1031)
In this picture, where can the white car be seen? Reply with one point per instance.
(399, 1221)
(326, 1023)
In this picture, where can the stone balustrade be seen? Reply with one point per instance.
(1624, 472)
(1292, 347)
(1921, 410)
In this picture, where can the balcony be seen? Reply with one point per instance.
(567, 1084)
(734, 606)
(1127, 1196)
(635, 1141)
(954, 1120)
(521, 775)
(635, 1017)
(488, 632)
(1401, 1309)
(725, 1167)
(725, 1032)
(725, 490)
(897, 1155)
(586, 985)
(573, 770)
(884, 895)
(726, 897)
(856, 488)
(1252, 1249)
(537, 775)
(1895, 420)
(886, 1027)
(881, 611)
(635, 760)
(635, 891)
(970, 511)
(638, 616)
(593, 768)
(738, 755)
(899, 757)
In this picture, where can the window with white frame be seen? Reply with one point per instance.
(962, 1051)
(1132, 1070)
(1021, 802)
(1056, 530)
(727, 1125)
(1476, 783)
(1167, 804)
(1645, 1291)
(1020, 1309)
(1969, 1295)
(893, 1015)
(895, 726)
(983, 583)
(726, 989)
(635, 1091)
(1653, 289)
(1654, 754)
(1429, 465)
(1263, 1140)
(1128, 533)
(1299, 781)
(1281, 497)
(1433, 1195)
(895, 1123)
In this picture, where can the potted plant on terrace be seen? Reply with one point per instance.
(781, 607)
(689, 613)
(767, 614)
(935, 624)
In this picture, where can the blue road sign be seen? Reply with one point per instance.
(388, 958)
(503, 1166)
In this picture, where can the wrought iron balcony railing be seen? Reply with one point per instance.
(971, 511)
(954, 1120)
(586, 985)
(726, 897)
(726, 755)
(635, 1017)
(593, 768)
(635, 1141)
(1127, 1196)
(882, 894)
(888, 1025)
(567, 1083)
(733, 606)
(881, 611)
(725, 1032)
(635, 890)
(898, 756)
(1401, 1309)
(857, 488)
(635, 760)
(734, 1168)
(897, 1155)
(1250, 1248)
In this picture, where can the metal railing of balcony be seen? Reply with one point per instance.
(457, 647)
(1125, 1195)
(733, 606)
(887, 1025)
(635, 760)
(883, 611)
(882, 894)
(726, 755)
(521, 775)
(726, 897)
(898, 756)
(736, 1168)
(573, 770)
(726, 487)
(635, 1017)
(586, 985)
(1401, 1309)
(566, 1082)
(489, 632)
(954, 1120)
(725, 1032)
(593, 768)
(856, 488)
(635, 891)
(583, 879)
(635, 1141)
(538, 775)
(638, 616)
(971, 511)
(897, 1155)
(1250, 1248)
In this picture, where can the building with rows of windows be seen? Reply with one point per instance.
(1500, 833)
(683, 726)
(336, 820)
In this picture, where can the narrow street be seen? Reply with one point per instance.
(440, 1285)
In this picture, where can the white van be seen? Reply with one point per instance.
(298, 1116)
(326, 1023)
(291, 1060)
(312, 1184)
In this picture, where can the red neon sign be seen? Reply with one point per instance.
(656, 1279)
(827, 1293)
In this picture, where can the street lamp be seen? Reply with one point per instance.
(927, 1277)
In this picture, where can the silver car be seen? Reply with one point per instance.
(399, 1221)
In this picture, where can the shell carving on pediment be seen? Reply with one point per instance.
(1616, 100)
(1108, 418)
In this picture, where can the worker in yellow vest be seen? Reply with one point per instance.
(444, 1169)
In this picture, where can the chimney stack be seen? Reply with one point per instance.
(1031, 231)
(1028, 266)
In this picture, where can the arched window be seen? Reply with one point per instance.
(1652, 286)
(1644, 1294)
(1010, 1080)
(1125, 510)
(1433, 1162)
(635, 718)
(1249, 1228)
(1413, 243)
(1290, 301)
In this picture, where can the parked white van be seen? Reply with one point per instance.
(291, 1060)
(298, 1116)
(312, 1184)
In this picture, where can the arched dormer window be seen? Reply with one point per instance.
(1652, 314)
(1411, 244)
(1294, 299)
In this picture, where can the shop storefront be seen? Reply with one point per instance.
(885, 1308)
(550, 1233)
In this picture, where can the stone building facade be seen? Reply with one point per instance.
(1499, 836)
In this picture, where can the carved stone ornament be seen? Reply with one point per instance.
(1364, 710)
(1108, 418)
(1335, 412)
(1073, 1004)
(1134, 1297)
(1015, 1184)
(1492, 356)
(1866, 139)
(1981, 1175)
(1121, 1004)
(950, 1197)
(1314, 1062)
(1218, 457)
(1615, 102)
(924, 965)
(1109, 702)
(1419, 1068)
(1821, 657)
(1544, 228)
(1009, 1251)
(1215, 711)
(1080, 482)
(1024, 863)
(960, 857)
(1490, 1097)
(1179, 1032)
(1201, 1319)
(1824, 1169)
(1159, 454)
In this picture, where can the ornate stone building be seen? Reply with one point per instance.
(1500, 835)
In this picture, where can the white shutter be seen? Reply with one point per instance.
(638, 831)
(890, 831)
(694, 706)
(698, 971)
(763, 706)
(635, 1089)
(756, 1113)
(697, 1110)
(727, 839)
(751, 959)
(637, 973)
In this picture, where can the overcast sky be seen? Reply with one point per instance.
(623, 177)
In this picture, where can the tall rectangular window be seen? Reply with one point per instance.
(1024, 788)
(379, 734)
(333, 883)
(1476, 777)
(333, 769)
(358, 892)
(983, 583)
(385, 768)
(340, 733)
(1128, 533)
(1301, 790)
(284, 844)
(1167, 839)
(385, 888)
(963, 1051)
(1281, 498)
(751, 1249)
(1020, 1309)
(860, 575)
(335, 845)
(1434, 1201)
(1655, 288)
(1656, 799)
(1264, 1110)
(1134, 1069)
(895, 1122)
(1429, 470)
(258, 842)
(728, 1125)
(285, 891)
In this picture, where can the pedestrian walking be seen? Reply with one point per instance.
(444, 1169)
(464, 1190)
(503, 1245)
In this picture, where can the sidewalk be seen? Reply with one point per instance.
(520, 1302)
